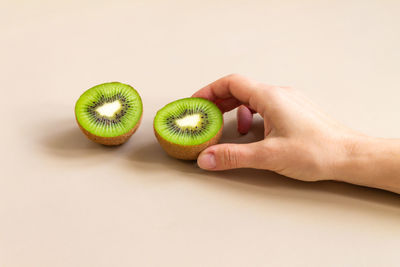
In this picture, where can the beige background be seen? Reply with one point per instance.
(65, 201)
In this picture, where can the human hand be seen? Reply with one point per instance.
(300, 141)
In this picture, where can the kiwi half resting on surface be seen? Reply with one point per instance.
(109, 113)
(187, 126)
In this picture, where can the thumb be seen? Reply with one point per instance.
(231, 156)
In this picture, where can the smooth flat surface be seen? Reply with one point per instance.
(65, 201)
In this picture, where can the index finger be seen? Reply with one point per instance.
(231, 86)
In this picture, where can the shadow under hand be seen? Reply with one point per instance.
(231, 135)
(151, 156)
(151, 153)
(64, 139)
(270, 179)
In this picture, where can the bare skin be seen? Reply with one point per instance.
(300, 141)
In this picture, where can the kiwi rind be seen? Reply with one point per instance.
(187, 152)
(112, 140)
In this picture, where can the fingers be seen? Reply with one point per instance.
(244, 119)
(231, 156)
(226, 105)
(233, 86)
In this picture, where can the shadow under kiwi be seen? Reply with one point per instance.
(63, 138)
(151, 153)
(152, 157)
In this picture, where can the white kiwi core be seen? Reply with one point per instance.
(189, 121)
(109, 109)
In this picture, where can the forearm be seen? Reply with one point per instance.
(372, 162)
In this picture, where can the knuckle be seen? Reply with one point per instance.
(263, 91)
(275, 89)
(268, 89)
(231, 157)
(235, 76)
(274, 93)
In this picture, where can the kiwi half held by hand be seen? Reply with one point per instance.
(187, 126)
(109, 113)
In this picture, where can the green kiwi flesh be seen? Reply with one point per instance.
(109, 113)
(187, 126)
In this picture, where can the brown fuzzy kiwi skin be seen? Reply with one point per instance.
(110, 141)
(186, 152)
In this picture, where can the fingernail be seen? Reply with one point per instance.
(207, 161)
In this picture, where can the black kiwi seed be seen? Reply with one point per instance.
(176, 129)
(184, 146)
(87, 116)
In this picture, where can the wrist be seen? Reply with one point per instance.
(371, 162)
(357, 155)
